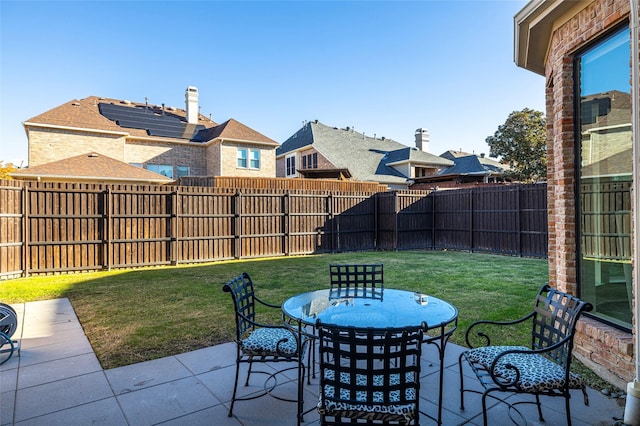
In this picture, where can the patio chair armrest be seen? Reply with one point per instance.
(482, 333)
(270, 305)
(260, 324)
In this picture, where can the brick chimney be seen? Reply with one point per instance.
(191, 99)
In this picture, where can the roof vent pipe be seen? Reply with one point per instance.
(191, 100)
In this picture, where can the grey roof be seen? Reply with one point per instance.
(473, 165)
(367, 158)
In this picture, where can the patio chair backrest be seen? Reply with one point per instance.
(554, 319)
(373, 367)
(241, 289)
(357, 276)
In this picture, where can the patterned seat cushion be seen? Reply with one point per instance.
(537, 373)
(392, 412)
(264, 342)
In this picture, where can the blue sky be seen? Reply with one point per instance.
(382, 67)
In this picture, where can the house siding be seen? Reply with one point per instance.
(229, 165)
(323, 162)
(168, 154)
(605, 349)
(280, 167)
(213, 160)
(48, 145)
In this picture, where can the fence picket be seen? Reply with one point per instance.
(53, 228)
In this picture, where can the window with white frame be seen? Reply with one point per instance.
(290, 166)
(248, 158)
(242, 158)
(254, 158)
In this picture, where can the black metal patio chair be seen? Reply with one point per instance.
(352, 280)
(357, 276)
(8, 326)
(543, 368)
(263, 343)
(369, 375)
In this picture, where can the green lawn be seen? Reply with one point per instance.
(137, 315)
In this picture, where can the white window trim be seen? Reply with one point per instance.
(295, 165)
(250, 159)
(245, 158)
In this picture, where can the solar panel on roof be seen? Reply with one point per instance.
(164, 125)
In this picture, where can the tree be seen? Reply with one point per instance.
(5, 169)
(521, 142)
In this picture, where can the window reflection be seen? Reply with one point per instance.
(605, 178)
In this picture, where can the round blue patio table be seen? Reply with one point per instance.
(378, 308)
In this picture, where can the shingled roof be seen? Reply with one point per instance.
(473, 165)
(366, 158)
(232, 129)
(142, 120)
(90, 167)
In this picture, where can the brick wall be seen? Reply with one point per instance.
(607, 350)
(323, 163)
(47, 145)
(213, 160)
(229, 164)
(280, 167)
(146, 152)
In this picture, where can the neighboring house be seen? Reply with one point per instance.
(321, 151)
(467, 169)
(588, 53)
(167, 140)
(90, 168)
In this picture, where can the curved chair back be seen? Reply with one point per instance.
(554, 319)
(357, 276)
(369, 373)
(241, 289)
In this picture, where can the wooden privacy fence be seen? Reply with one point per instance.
(498, 219)
(606, 224)
(52, 228)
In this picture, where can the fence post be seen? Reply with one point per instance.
(331, 221)
(471, 220)
(26, 230)
(173, 228)
(106, 229)
(519, 220)
(433, 196)
(376, 225)
(237, 231)
(396, 210)
(286, 225)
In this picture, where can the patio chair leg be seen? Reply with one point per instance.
(567, 403)
(312, 347)
(235, 388)
(484, 408)
(539, 408)
(301, 374)
(246, 383)
(461, 384)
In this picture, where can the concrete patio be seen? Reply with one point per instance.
(57, 380)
